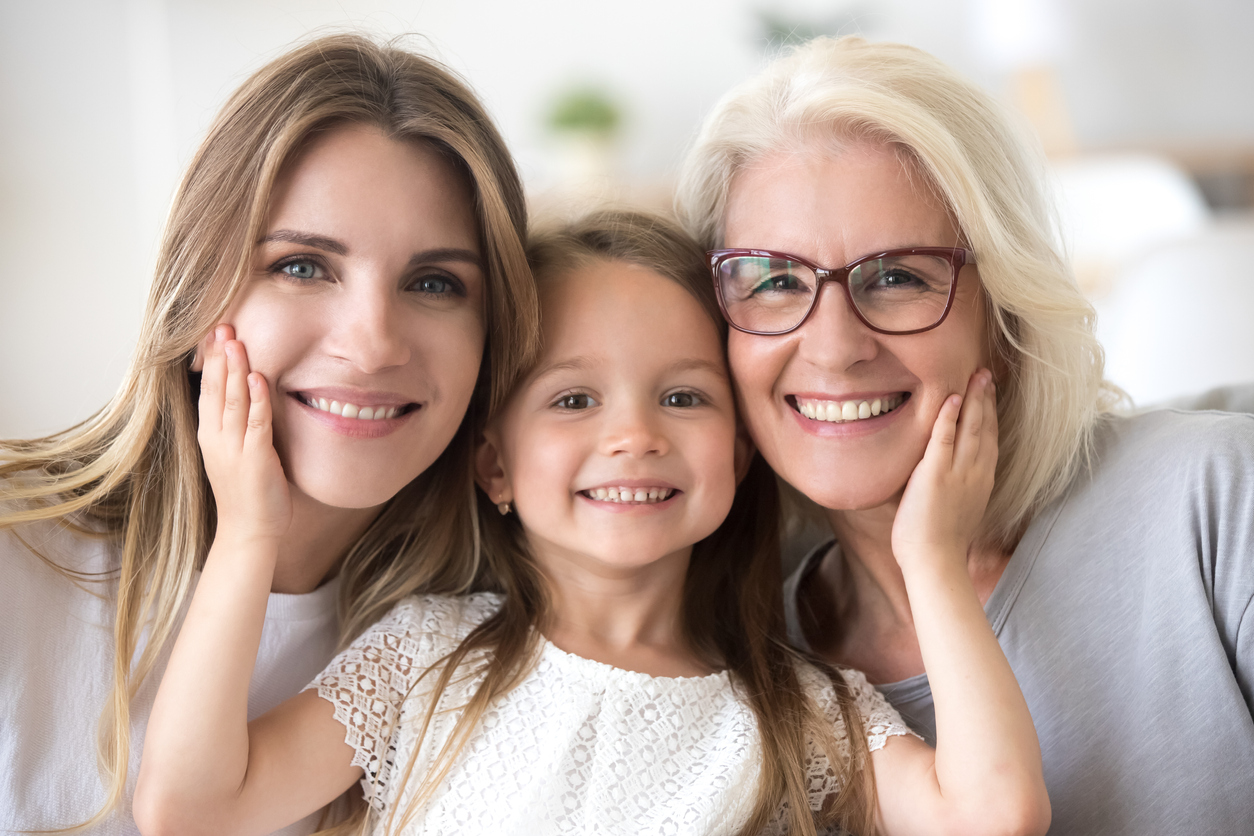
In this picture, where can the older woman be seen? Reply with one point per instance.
(1116, 563)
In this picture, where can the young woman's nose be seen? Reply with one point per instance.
(833, 337)
(367, 327)
(633, 431)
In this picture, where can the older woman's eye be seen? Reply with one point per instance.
(776, 281)
(682, 399)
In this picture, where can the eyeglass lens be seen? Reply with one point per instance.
(897, 293)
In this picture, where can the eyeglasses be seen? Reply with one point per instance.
(894, 292)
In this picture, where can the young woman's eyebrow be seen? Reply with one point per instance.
(320, 242)
(446, 254)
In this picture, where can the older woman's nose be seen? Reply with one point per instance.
(833, 337)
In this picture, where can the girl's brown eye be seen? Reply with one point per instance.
(575, 402)
(681, 399)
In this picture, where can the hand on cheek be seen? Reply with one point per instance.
(944, 500)
(236, 440)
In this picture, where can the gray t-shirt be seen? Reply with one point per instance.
(1126, 615)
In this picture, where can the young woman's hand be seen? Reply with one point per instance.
(236, 439)
(944, 500)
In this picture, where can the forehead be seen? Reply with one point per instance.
(368, 185)
(836, 205)
(623, 313)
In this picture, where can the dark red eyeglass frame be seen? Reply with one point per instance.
(957, 257)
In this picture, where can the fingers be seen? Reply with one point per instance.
(940, 447)
(213, 379)
(971, 422)
(260, 426)
(235, 402)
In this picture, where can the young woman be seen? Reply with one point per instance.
(631, 672)
(354, 216)
(1116, 557)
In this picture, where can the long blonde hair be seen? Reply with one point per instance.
(133, 471)
(733, 613)
(1049, 363)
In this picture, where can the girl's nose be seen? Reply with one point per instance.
(632, 431)
(833, 337)
(367, 329)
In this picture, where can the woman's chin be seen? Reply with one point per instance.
(345, 493)
(857, 494)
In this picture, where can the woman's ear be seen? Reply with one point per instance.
(744, 452)
(490, 473)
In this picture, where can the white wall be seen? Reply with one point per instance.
(103, 101)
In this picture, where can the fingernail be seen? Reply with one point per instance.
(219, 334)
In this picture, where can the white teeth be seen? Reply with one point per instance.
(634, 496)
(842, 411)
(350, 410)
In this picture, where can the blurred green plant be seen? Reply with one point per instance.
(586, 110)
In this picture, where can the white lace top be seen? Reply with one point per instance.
(577, 747)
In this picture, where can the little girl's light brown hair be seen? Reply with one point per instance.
(733, 614)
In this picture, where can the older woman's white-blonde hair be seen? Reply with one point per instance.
(1047, 361)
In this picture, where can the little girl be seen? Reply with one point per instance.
(626, 669)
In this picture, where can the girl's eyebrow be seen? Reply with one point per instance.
(577, 364)
(322, 242)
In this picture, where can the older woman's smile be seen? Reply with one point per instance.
(845, 410)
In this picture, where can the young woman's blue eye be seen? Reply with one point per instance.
(575, 401)
(681, 399)
(301, 270)
(435, 284)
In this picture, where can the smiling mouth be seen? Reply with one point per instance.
(629, 496)
(351, 410)
(844, 412)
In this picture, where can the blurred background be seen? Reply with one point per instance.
(1146, 108)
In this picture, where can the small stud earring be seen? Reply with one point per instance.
(503, 507)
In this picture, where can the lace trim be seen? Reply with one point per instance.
(668, 740)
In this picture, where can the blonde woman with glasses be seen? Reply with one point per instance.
(352, 227)
(877, 234)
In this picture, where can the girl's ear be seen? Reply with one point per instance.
(744, 452)
(490, 473)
